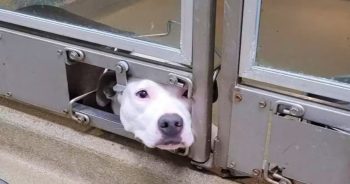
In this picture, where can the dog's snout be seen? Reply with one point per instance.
(170, 124)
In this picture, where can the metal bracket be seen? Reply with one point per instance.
(274, 178)
(121, 76)
(182, 82)
(77, 116)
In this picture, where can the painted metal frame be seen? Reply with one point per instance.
(228, 77)
(154, 50)
(306, 151)
(305, 83)
(203, 68)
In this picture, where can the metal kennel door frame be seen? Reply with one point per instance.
(198, 45)
(182, 55)
(252, 135)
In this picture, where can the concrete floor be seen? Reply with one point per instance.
(38, 147)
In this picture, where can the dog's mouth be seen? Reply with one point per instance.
(170, 144)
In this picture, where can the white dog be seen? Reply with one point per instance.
(158, 115)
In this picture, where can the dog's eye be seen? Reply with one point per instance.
(142, 94)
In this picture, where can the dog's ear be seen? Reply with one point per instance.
(105, 90)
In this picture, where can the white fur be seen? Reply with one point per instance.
(140, 116)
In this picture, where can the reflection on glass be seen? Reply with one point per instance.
(152, 20)
(306, 36)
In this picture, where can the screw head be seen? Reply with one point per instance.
(262, 104)
(256, 172)
(119, 68)
(60, 52)
(238, 98)
(199, 167)
(172, 80)
(73, 55)
(294, 111)
(8, 94)
(232, 165)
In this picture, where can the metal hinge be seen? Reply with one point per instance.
(121, 76)
(274, 175)
(182, 82)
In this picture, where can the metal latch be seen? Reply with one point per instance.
(182, 82)
(274, 175)
(121, 76)
(288, 108)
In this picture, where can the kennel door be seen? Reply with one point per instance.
(159, 29)
(289, 106)
(168, 41)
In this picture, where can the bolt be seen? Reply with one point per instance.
(238, 97)
(199, 167)
(73, 55)
(59, 52)
(122, 66)
(262, 104)
(172, 80)
(81, 119)
(256, 172)
(294, 111)
(119, 68)
(8, 94)
(232, 165)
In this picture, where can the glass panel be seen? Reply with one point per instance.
(151, 20)
(311, 37)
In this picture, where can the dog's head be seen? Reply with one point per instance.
(158, 115)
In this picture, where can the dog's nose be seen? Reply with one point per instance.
(170, 124)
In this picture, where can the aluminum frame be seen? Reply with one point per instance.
(305, 83)
(228, 76)
(139, 47)
(203, 68)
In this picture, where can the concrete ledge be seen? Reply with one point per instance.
(38, 147)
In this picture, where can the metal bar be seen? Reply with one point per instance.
(228, 75)
(100, 37)
(103, 120)
(308, 84)
(203, 65)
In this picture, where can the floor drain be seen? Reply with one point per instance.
(3, 182)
